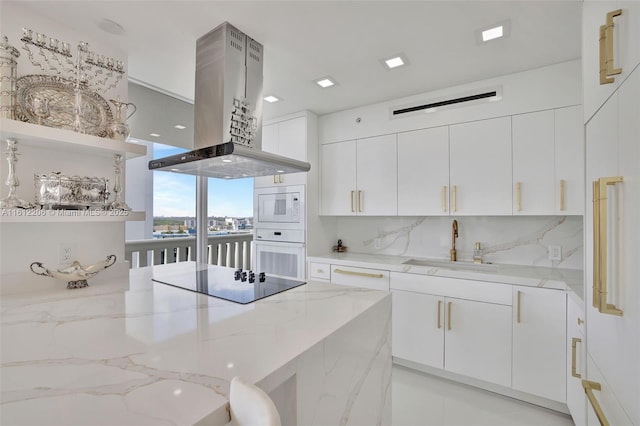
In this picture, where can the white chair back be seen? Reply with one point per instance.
(251, 406)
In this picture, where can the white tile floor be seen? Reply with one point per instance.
(421, 399)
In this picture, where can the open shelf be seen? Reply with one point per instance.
(52, 138)
(68, 216)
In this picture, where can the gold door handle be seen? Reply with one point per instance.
(603, 58)
(449, 316)
(454, 198)
(609, 39)
(518, 306)
(518, 196)
(359, 201)
(561, 194)
(574, 344)
(600, 289)
(439, 304)
(358, 274)
(444, 198)
(589, 387)
(352, 194)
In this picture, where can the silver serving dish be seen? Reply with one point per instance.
(51, 101)
(55, 190)
(75, 275)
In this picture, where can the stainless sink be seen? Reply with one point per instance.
(484, 267)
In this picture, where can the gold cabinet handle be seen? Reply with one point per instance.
(600, 245)
(359, 201)
(562, 194)
(358, 274)
(275, 178)
(589, 387)
(518, 306)
(444, 198)
(319, 271)
(574, 344)
(603, 58)
(609, 39)
(352, 194)
(518, 196)
(449, 316)
(439, 304)
(454, 198)
(580, 321)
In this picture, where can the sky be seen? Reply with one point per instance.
(174, 194)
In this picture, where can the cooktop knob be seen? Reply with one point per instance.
(262, 277)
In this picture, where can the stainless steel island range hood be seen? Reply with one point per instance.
(228, 113)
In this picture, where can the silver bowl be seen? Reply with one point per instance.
(75, 274)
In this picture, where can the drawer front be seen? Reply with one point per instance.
(320, 270)
(374, 279)
(453, 287)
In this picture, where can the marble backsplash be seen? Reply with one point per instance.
(522, 240)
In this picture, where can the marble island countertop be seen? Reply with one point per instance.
(139, 352)
(553, 278)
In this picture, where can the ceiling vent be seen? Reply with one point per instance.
(439, 104)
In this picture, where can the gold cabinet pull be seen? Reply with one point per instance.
(609, 39)
(454, 198)
(580, 321)
(275, 178)
(444, 198)
(574, 344)
(352, 194)
(518, 196)
(518, 306)
(600, 245)
(449, 316)
(319, 271)
(358, 274)
(562, 194)
(360, 201)
(603, 58)
(589, 387)
(439, 304)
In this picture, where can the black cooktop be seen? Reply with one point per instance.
(225, 283)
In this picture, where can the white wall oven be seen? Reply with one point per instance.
(279, 236)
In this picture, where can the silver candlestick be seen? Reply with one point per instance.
(12, 201)
(117, 203)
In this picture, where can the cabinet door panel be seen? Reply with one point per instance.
(480, 167)
(569, 136)
(270, 138)
(377, 176)
(338, 178)
(539, 336)
(423, 172)
(292, 138)
(533, 163)
(576, 399)
(418, 327)
(478, 340)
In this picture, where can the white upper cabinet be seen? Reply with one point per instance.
(377, 176)
(480, 167)
(569, 161)
(423, 172)
(289, 139)
(533, 163)
(338, 178)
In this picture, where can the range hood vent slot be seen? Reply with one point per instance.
(439, 104)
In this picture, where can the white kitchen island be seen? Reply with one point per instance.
(134, 351)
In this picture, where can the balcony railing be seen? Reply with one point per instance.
(233, 250)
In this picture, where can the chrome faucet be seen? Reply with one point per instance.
(454, 235)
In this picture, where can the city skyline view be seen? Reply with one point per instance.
(174, 194)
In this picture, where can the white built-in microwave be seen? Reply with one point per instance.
(281, 207)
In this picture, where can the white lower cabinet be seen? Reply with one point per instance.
(603, 405)
(576, 361)
(539, 336)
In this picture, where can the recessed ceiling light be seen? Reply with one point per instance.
(271, 99)
(226, 160)
(155, 135)
(175, 170)
(395, 61)
(491, 33)
(325, 82)
(179, 127)
(279, 171)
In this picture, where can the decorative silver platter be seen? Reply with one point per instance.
(58, 95)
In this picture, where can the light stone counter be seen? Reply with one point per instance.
(570, 280)
(139, 352)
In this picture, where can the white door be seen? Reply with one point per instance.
(533, 163)
(423, 172)
(478, 340)
(576, 362)
(377, 176)
(569, 163)
(539, 342)
(338, 179)
(418, 327)
(480, 167)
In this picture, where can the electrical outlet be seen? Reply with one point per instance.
(555, 252)
(376, 243)
(66, 253)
